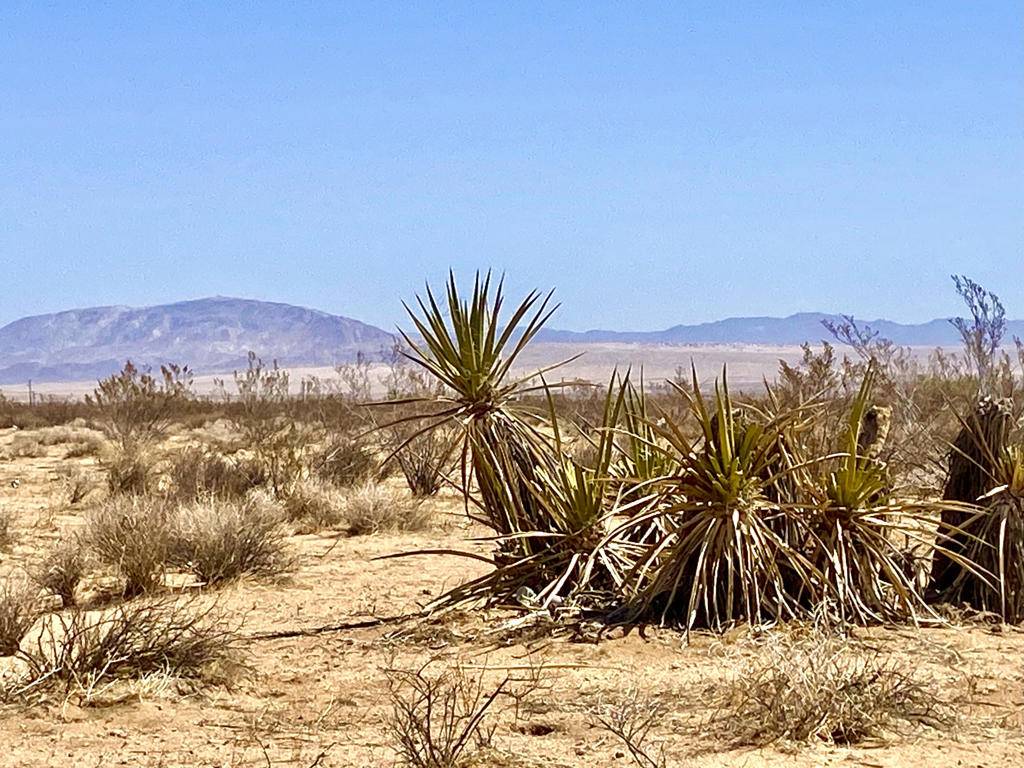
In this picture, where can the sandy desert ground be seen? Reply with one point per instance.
(319, 697)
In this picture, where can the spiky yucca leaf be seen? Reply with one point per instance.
(724, 554)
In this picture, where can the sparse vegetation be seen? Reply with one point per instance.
(439, 720)
(686, 505)
(133, 535)
(220, 540)
(821, 686)
(85, 650)
(18, 612)
(62, 569)
(377, 508)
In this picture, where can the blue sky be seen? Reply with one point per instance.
(656, 163)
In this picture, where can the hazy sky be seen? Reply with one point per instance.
(656, 163)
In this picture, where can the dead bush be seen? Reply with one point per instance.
(823, 687)
(313, 506)
(197, 473)
(439, 721)
(630, 720)
(134, 536)
(19, 610)
(423, 458)
(62, 569)
(378, 508)
(220, 540)
(77, 441)
(81, 649)
(27, 445)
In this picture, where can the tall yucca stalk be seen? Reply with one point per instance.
(724, 553)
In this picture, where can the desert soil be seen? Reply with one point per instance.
(322, 698)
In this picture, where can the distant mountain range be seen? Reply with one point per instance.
(795, 329)
(214, 335)
(210, 335)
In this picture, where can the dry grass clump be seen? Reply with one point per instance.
(824, 687)
(439, 721)
(7, 518)
(197, 473)
(80, 649)
(378, 508)
(129, 472)
(79, 441)
(134, 535)
(313, 506)
(75, 483)
(345, 462)
(62, 569)
(18, 612)
(220, 540)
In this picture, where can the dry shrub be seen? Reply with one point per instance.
(76, 484)
(378, 508)
(220, 540)
(134, 535)
(77, 441)
(197, 473)
(439, 721)
(7, 518)
(18, 612)
(82, 649)
(424, 459)
(313, 506)
(26, 445)
(630, 720)
(62, 569)
(129, 472)
(345, 462)
(824, 687)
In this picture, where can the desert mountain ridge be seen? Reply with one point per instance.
(214, 335)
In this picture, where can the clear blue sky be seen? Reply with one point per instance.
(656, 163)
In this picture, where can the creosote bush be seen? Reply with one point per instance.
(821, 686)
(378, 508)
(220, 540)
(134, 535)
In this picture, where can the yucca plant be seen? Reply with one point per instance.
(470, 350)
(640, 459)
(853, 527)
(568, 556)
(862, 535)
(984, 463)
(724, 551)
(992, 538)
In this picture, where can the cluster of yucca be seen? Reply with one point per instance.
(712, 517)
